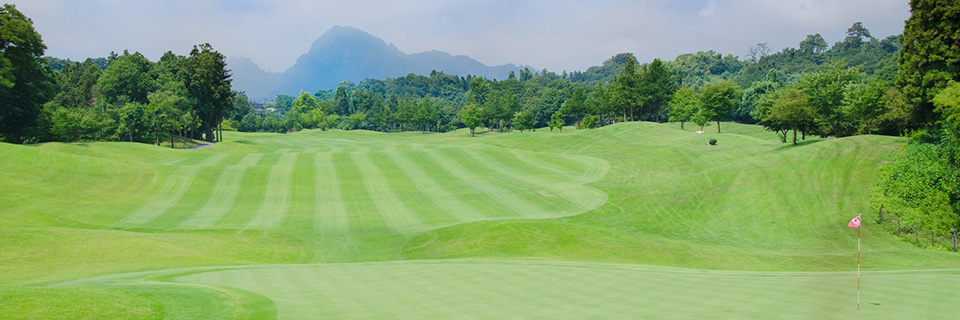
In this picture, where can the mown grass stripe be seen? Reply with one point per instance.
(572, 168)
(563, 197)
(275, 206)
(198, 192)
(421, 204)
(470, 189)
(554, 197)
(212, 160)
(456, 206)
(388, 205)
(330, 216)
(501, 187)
(175, 186)
(355, 196)
(224, 195)
(303, 197)
(248, 199)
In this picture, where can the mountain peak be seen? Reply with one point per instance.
(347, 53)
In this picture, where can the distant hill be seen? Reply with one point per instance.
(249, 78)
(345, 53)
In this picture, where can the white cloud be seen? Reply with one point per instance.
(709, 10)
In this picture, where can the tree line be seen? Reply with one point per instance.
(124, 97)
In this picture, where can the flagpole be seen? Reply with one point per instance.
(858, 265)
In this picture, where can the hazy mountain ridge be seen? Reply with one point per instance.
(346, 53)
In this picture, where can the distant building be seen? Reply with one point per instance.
(257, 107)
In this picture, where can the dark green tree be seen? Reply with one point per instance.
(576, 105)
(657, 85)
(25, 83)
(127, 79)
(209, 86)
(824, 91)
(627, 87)
(813, 44)
(930, 57)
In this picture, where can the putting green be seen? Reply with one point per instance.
(488, 289)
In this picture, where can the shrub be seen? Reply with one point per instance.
(713, 142)
(589, 122)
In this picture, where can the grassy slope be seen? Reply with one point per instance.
(749, 203)
(667, 198)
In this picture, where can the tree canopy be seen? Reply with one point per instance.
(25, 83)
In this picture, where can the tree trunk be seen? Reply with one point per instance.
(681, 125)
(718, 126)
(794, 136)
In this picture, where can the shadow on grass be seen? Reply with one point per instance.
(790, 144)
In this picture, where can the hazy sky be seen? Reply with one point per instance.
(557, 35)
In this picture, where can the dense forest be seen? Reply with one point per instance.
(900, 85)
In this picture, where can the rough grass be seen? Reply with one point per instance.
(611, 202)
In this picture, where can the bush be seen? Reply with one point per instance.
(589, 122)
(920, 188)
(712, 142)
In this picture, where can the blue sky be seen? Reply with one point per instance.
(557, 35)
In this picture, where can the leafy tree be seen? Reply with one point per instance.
(825, 91)
(470, 117)
(576, 105)
(719, 99)
(77, 85)
(701, 117)
(855, 36)
(25, 84)
(165, 111)
(627, 88)
(863, 103)
(657, 85)
(590, 122)
(76, 124)
(127, 79)
(479, 90)
(948, 103)
(133, 121)
(209, 85)
(813, 44)
(683, 105)
(897, 111)
(357, 118)
(556, 121)
(790, 111)
(305, 103)
(241, 106)
(523, 120)
(929, 58)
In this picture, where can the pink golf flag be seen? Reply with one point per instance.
(855, 223)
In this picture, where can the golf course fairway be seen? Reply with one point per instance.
(633, 220)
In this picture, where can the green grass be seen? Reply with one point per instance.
(625, 221)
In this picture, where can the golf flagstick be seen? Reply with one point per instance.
(855, 223)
